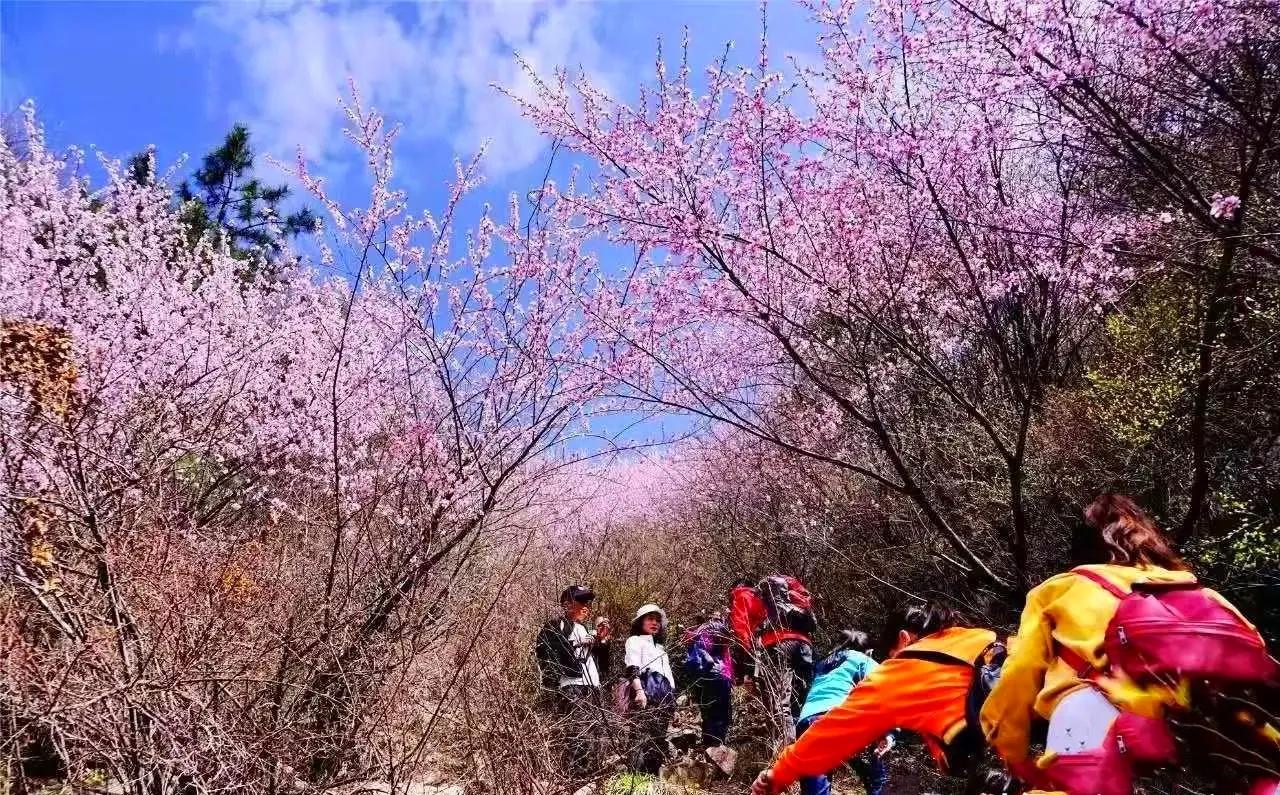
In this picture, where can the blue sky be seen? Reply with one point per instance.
(118, 76)
(122, 75)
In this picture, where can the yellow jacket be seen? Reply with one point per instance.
(1065, 610)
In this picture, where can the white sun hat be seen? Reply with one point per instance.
(651, 608)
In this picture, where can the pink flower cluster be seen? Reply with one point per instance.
(446, 371)
(905, 193)
(1224, 207)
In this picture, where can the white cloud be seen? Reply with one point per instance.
(429, 67)
(13, 91)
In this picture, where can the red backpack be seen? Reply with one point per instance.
(788, 604)
(1174, 631)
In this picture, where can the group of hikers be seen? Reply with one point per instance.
(1121, 666)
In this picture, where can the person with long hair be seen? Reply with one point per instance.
(1058, 670)
(922, 687)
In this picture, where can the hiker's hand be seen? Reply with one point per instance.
(642, 700)
(763, 785)
(883, 746)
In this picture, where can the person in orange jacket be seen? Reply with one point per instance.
(926, 696)
(1060, 640)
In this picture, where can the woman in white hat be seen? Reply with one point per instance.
(653, 694)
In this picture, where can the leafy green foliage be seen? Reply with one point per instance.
(629, 783)
(1252, 547)
(1139, 384)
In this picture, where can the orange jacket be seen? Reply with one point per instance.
(925, 697)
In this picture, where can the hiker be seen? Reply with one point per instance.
(922, 687)
(570, 660)
(652, 688)
(1104, 675)
(837, 674)
(772, 623)
(709, 663)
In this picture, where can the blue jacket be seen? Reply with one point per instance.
(836, 677)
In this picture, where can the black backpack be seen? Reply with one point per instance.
(965, 750)
(788, 604)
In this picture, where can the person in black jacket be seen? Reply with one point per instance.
(571, 661)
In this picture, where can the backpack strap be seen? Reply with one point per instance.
(1083, 668)
(1098, 579)
(962, 750)
(929, 655)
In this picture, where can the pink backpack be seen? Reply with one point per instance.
(1163, 631)
(1171, 633)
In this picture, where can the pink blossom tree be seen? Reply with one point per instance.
(907, 246)
(1175, 105)
(235, 514)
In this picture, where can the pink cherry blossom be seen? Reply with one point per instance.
(854, 236)
(1224, 207)
(222, 481)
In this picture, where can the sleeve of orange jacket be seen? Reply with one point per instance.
(868, 714)
(1009, 710)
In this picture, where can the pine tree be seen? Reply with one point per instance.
(224, 198)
